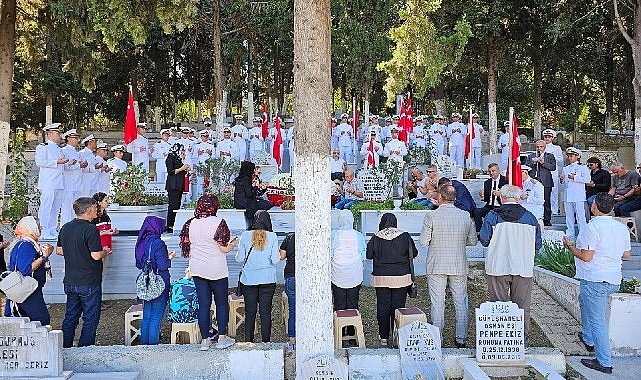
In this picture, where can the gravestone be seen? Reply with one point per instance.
(324, 368)
(375, 186)
(499, 334)
(30, 350)
(446, 166)
(420, 347)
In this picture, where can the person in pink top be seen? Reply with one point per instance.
(205, 240)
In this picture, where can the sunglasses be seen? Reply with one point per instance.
(431, 171)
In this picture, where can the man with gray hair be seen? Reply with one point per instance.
(512, 235)
(625, 184)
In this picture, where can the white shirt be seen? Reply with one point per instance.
(457, 131)
(204, 150)
(51, 172)
(228, 149)
(494, 199)
(504, 144)
(575, 188)
(476, 141)
(344, 134)
(421, 184)
(438, 133)
(160, 152)
(395, 150)
(188, 145)
(72, 174)
(104, 177)
(256, 134)
(378, 150)
(139, 148)
(239, 132)
(534, 202)
(119, 165)
(336, 166)
(557, 153)
(609, 239)
(420, 136)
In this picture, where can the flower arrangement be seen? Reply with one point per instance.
(129, 188)
(219, 174)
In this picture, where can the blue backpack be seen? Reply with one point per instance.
(183, 302)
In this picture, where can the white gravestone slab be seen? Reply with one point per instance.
(29, 350)
(324, 368)
(420, 346)
(499, 333)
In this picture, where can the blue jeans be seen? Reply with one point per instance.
(290, 290)
(204, 289)
(630, 206)
(152, 314)
(593, 300)
(85, 300)
(345, 204)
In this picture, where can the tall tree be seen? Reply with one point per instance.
(312, 91)
(7, 54)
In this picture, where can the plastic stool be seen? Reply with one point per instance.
(344, 318)
(191, 329)
(629, 222)
(132, 328)
(404, 316)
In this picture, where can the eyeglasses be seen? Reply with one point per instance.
(431, 171)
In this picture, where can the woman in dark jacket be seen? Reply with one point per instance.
(390, 249)
(149, 247)
(175, 184)
(247, 192)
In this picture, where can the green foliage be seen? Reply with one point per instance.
(556, 258)
(22, 192)
(130, 188)
(370, 205)
(629, 286)
(392, 171)
(417, 155)
(412, 206)
(221, 173)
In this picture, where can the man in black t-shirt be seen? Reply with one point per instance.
(79, 244)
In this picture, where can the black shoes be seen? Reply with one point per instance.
(594, 364)
(459, 345)
(547, 223)
(587, 346)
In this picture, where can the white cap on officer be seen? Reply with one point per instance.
(549, 132)
(102, 145)
(344, 116)
(238, 117)
(165, 130)
(141, 125)
(207, 121)
(88, 138)
(53, 127)
(118, 148)
(396, 129)
(456, 114)
(204, 132)
(573, 150)
(185, 129)
(72, 132)
(475, 115)
(506, 123)
(526, 168)
(396, 117)
(257, 119)
(226, 128)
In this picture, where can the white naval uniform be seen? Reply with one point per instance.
(556, 151)
(240, 135)
(574, 200)
(104, 177)
(504, 147)
(290, 148)
(475, 146)
(420, 136)
(50, 184)
(378, 150)
(188, 146)
(72, 179)
(117, 165)
(204, 151)
(89, 173)
(456, 132)
(386, 133)
(255, 141)
(534, 202)
(438, 134)
(139, 149)
(395, 150)
(160, 153)
(344, 134)
(228, 149)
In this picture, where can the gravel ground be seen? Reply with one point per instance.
(111, 330)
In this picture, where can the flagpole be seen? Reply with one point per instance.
(354, 121)
(470, 132)
(510, 133)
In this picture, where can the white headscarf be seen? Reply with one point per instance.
(345, 220)
(26, 229)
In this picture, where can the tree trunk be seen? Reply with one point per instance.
(219, 102)
(48, 108)
(538, 107)
(439, 101)
(312, 94)
(250, 83)
(7, 54)
(491, 96)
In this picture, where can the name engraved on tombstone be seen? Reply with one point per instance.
(499, 333)
(419, 344)
(324, 368)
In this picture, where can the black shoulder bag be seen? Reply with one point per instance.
(239, 286)
(412, 290)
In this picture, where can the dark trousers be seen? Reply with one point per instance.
(33, 307)
(258, 296)
(547, 206)
(480, 213)
(204, 290)
(516, 289)
(338, 175)
(83, 300)
(387, 301)
(626, 206)
(175, 198)
(345, 298)
(256, 205)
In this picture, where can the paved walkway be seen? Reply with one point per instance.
(624, 369)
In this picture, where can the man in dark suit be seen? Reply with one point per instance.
(543, 164)
(489, 194)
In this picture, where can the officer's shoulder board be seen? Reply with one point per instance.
(42, 144)
(534, 181)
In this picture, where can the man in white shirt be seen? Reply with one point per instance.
(555, 150)
(419, 135)
(188, 145)
(90, 171)
(437, 131)
(532, 194)
(337, 166)
(386, 131)
(456, 132)
(475, 146)
(504, 147)
(395, 150)
(575, 176)
(210, 132)
(226, 147)
(51, 161)
(419, 187)
(204, 150)
(117, 164)
(598, 252)
(240, 134)
(255, 138)
(172, 137)
(377, 149)
(160, 153)
(104, 175)
(344, 135)
(139, 148)
(72, 175)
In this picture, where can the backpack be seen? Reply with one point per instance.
(149, 285)
(183, 302)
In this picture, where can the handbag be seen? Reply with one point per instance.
(412, 290)
(15, 286)
(149, 285)
(239, 286)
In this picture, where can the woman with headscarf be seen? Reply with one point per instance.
(247, 193)
(204, 239)
(347, 255)
(31, 259)
(390, 249)
(175, 184)
(258, 249)
(149, 247)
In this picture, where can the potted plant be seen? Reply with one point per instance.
(131, 202)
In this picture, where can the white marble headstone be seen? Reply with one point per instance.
(28, 349)
(324, 368)
(420, 347)
(446, 166)
(500, 333)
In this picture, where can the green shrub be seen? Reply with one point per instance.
(628, 286)
(556, 258)
(370, 205)
(409, 205)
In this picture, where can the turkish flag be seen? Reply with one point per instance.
(402, 134)
(278, 142)
(516, 175)
(130, 120)
(265, 122)
(409, 113)
(471, 135)
(371, 162)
